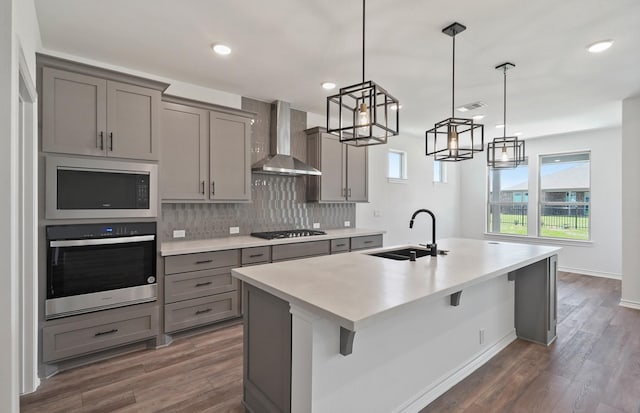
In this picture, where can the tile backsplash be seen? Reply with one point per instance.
(278, 202)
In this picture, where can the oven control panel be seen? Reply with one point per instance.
(90, 231)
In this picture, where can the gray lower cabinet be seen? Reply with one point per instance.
(369, 241)
(199, 289)
(206, 152)
(77, 338)
(299, 250)
(340, 245)
(344, 169)
(536, 284)
(88, 115)
(267, 352)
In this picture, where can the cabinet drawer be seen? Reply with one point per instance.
(371, 241)
(299, 250)
(199, 311)
(339, 245)
(201, 261)
(77, 338)
(188, 285)
(256, 255)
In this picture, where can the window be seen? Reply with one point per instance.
(397, 165)
(439, 172)
(507, 200)
(565, 185)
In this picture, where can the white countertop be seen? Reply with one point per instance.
(354, 289)
(246, 241)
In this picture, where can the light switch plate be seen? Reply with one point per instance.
(179, 233)
(316, 225)
(347, 223)
(234, 230)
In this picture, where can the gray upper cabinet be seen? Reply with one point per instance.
(230, 157)
(344, 169)
(93, 111)
(206, 154)
(74, 113)
(185, 135)
(132, 121)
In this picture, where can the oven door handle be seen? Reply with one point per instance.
(100, 241)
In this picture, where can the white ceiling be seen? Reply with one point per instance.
(284, 49)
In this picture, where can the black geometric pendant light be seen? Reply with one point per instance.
(454, 139)
(363, 114)
(507, 151)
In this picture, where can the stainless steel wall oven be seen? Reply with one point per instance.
(93, 267)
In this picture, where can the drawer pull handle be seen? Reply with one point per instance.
(102, 333)
(208, 310)
(340, 245)
(255, 255)
(204, 262)
(368, 242)
(203, 284)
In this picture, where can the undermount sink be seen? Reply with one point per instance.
(402, 254)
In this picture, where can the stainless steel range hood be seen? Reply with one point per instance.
(281, 162)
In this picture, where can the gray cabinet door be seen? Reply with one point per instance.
(357, 186)
(184, 158)
(332, 165)
(132, 121)
(229, 158)
(73, 113)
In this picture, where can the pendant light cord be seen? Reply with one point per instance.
(504, 119)
(453, 77)
(363, 14)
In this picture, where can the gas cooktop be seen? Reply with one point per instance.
(290, 233)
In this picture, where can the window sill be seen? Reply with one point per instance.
(398, 180)
(539, 240)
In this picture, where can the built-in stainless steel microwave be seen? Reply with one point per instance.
(98, 188)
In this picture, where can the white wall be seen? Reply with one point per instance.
(397, 202)
(19, 33)
(602, 256)
(630, 202)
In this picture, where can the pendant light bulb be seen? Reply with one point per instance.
(453, 139)
(505, 155)
(363, 120)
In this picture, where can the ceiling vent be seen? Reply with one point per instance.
(471, 106)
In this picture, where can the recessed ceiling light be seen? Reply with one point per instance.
(393, 106)
(221, 49)
(478, 117)
(471, 106)
(328, 85)
(518, 134)
(500, 126)
(556, 160)
(600, 46)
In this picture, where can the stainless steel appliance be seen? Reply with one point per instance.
(98, 188)
(93, 267)
(289, 233)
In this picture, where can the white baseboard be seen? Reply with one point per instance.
(591, 273)
(630, 304)
(451, 379)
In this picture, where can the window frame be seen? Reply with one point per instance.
(443, 172)
(403, 166)
(541, 203)
(489, 203)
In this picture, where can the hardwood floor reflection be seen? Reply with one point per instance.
(594, 366)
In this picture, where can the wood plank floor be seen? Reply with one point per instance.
(594, 366)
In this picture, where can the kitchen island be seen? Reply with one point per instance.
(361, 333)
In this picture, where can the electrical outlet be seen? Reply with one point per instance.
(481, 336)
(347, 223)
(377, 213)
(316, 225)
(179, 233)
(234, 230)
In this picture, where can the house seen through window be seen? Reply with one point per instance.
(508, 200)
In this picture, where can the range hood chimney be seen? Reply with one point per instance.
(280, 161)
